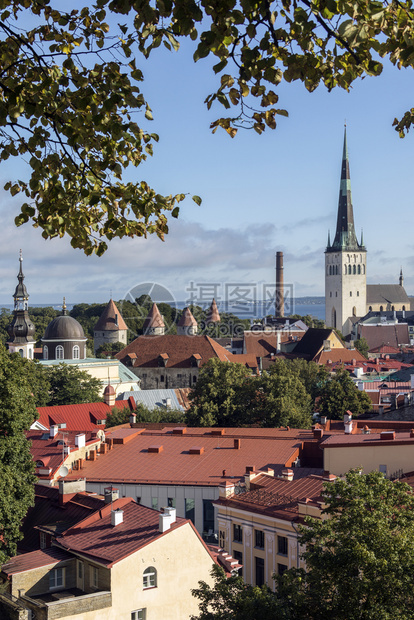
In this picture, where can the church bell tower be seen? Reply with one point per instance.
(21, 330)
(345, 262)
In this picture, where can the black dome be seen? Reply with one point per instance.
(64, 328)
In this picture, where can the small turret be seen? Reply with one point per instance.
(187, 325)
(401, 278)
(213, 313)
(21, 330)
(154, 323)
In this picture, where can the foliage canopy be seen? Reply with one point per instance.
(70, 91)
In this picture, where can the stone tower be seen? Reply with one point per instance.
(21, 330)
(110, 328)
(345, 262)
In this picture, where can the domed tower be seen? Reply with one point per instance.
(64, 338)
(21, 330)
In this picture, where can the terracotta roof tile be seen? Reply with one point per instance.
(154, 318)
(264, 344)
(34, 559)
(187, 319)
(212, 315)
(80, 417)
(110, 319)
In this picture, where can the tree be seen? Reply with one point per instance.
(231, 599)
(117, 416)
(70, 91)
(17, 413)
(109, 349)
(339, 395)
(70, 386)
(218, 398)
(360, 559)
(362, 346)
(158, 415)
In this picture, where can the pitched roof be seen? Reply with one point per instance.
(311, 342)
(153, 318)
(186, 319)
(180, 350)
(153, 399)
(81, 417)
(219, 458)
(96, 538)
(264, 344)
(387, 294)
(341, 356)
(110, 319)
(378, 335)
(35, 559)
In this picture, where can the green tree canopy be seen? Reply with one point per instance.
(70, 386)
(362, 346)
(71, 101)
(17, 413)
(360, 559)
(340, 394)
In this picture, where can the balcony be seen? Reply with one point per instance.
(65, 603)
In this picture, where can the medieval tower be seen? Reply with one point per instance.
(345, 262)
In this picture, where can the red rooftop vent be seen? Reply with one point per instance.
(155, 449)
(196, 450)
(237, 444)
(179, 430)
(388, 435)
(218, 431)
(249, 469)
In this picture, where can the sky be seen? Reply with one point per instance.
(261, 194)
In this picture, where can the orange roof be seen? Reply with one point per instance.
(173, 464)
(212, 315)
(186, 319)
(110, 319)
(34, 559)
(81, 417)
(154, 318)
(96, 538)
(180, 350)
(339, 356)
(264, 344)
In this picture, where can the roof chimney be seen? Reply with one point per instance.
(80, 440)
(53, 431)
(237, 444)
(167, 518)
(287, 474)
(117, 517)
(110, 495)
(348, 427)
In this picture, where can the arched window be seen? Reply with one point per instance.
(345, 270)
(150, 577)
(21, 352)
(370, 308)
(363, 268)
(354, 311)
(403, 307)
(349, 269)
(336, 269)
(359, 269)
(76, 352)
(59, 352)
(330, 294)
(381, 308)
(327, 271)
(354, 269)
(45, 352)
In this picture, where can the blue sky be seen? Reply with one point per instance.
(277, 191)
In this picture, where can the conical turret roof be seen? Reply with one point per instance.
(186, 319)
(110, 319)
(213, 313)
(153, 319)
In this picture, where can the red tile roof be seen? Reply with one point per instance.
(34, 559)
(212, 315)
(153, 318)
(187, 319)
(372, 439)
(340, 356)
(110, 319)
(96, 538)
(180, 351)
(174, 464)
(80, 417)
(264, 344)
(378, 335)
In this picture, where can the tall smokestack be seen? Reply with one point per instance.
(280, 300)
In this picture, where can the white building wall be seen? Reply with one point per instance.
(345, 293)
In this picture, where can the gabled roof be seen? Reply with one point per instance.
(35, 559)
(96, 538)
(179, 349)
(387, 294)
(110, 319)
(153, 318)
(378, 335)
(311, 342)
(81, 417)
(264, 344)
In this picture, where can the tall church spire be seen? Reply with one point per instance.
(21, 330)
(345, 237)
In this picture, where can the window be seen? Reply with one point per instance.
(190, 509)
(350, 293)
(162, 378)
(139, 614)
(330, 294)
(259, 562)
(239, 557)
(93, 576)
(208, 516)
(171, 501)
(154, 503)
(259, 539)
(281, 569)
(80, 569)
(21, 352)
(357, 293)
(56, 578)
(45, 352)
(282, 545)
(150, 578)
(59, 352)
(76, 352)
(237, 533)
(43, 541)
(138, 500)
